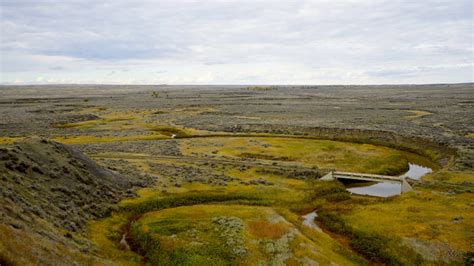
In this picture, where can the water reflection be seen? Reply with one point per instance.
(378, 189)
(388, 189)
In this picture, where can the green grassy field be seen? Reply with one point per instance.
(176, 225)
(345, 156)
(229, 234)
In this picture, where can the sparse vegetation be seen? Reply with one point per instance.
(261, 88)
(307, 152)
(169, 131)
(234, 190)
(417, 114)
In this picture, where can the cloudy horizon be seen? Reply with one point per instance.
(236, 42)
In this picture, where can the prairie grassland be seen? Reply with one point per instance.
(344, 156)
(433, 222)
(131, 125)
(230, 234)
(266, 174)
(422, 215)
(271, 191)
(257, 195)
(171, 217)
(283, 194)
(261, 88)
(451, 177)
(90, 139)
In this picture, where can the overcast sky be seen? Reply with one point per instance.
(236, 42)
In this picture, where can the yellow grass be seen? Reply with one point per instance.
(328, 154)
(9, 140)
(21, 247)
(451, 177)
(422, 214)
(101, 232)
(266, 229)
(417, 114)
(261, 224)
(89, 139)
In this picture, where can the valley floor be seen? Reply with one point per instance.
(198, 175)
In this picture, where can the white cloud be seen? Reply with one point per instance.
(222, 42)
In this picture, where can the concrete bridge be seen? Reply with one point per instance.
(333, 175)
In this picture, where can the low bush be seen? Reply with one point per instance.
(333, 222)
(168, 131)
(149, 245)
(146, 245)
(340, 196)
(191, 199)
(325, 189)
(295, 174)
(264, 157)
(373, 246)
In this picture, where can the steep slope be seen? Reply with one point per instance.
(48, 192)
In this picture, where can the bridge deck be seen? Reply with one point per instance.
(349, 175)
(405, 187)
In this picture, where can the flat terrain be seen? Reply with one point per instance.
(223, 175)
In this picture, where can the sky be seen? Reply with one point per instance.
(236, 42)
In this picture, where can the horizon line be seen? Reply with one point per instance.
(243, 84)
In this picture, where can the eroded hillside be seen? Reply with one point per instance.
(49, 193)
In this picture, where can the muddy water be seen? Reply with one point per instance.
(388, 189)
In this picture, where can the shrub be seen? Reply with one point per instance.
(169, 130)
(214, 253)
(146, 245)
(333, 222)
(340, 196)
(373, 246)
(192, 199)
(326, 189)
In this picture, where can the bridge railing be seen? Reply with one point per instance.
(370, 176)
